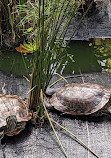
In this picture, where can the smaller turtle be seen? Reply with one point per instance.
(80, 99)
(13, 115)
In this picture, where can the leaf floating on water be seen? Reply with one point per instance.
(26, 48)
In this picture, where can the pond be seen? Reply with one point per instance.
(89, 56)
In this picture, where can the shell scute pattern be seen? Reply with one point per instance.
(12, 105)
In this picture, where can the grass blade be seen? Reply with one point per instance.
(41, 96)
(78, 139)
(61, 78)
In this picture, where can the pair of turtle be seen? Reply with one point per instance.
(75, 99)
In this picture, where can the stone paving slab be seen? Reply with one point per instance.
(97, 24)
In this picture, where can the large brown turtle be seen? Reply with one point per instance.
(13, 115)
(80, 99)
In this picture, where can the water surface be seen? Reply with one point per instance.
(88, 56)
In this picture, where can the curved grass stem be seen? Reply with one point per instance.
(61, 78)
(41, 96)
(32, 89)
(52, 121)
(78, 139)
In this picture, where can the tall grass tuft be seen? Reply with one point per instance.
(44, 19)
(51, 44)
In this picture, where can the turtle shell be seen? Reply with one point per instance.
(12, 105)
(80, 99)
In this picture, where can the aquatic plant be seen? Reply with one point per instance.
(51, 44)
(27, 15)
(8, 20)
(103, 52)
(3, 14)
(45, 24)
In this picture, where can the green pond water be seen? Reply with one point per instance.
(89, 56)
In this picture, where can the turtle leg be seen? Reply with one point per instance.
(1, 136)
(21, 126)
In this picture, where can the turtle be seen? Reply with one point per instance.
(80, 99)
(13, 115)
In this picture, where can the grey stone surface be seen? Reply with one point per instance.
(40, 142)
(95, 25)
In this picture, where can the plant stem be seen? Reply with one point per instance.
(63, 78)
(79, 140)
(53, 126)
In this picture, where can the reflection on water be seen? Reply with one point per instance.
(90, 56)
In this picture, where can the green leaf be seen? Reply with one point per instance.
(29, 29)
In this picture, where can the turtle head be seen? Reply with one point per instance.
(11, 122)
(51, 91)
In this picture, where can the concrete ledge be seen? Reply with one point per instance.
(95, 25)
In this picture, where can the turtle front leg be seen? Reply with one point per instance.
(1, 135)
